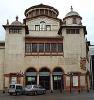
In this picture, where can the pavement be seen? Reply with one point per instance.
(56, 95)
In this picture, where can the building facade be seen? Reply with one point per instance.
(45, 50)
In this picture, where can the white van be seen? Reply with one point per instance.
(15, 89)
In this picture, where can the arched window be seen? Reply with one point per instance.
(42, 26)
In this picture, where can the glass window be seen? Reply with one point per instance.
(47, 47)
(72, 31)
(27, 47)
(42, 26)
(77, 31)
(41, 47)
(68, 31)
(60, 47)
(37, 27)
(15, 30)
(48, 27)
(53, 47)
(34, 47)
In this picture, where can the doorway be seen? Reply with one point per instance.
(44, 78)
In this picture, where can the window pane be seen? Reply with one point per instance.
(60, 47)
(53, 47)
(34, 47)
(68, 31)
(27, 47)
(37, 27)
(41, 47)
(42, 26)
(77, 31)
(47, 47)
(72, 31)
(48, 27)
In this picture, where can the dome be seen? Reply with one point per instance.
(41, 9)
(72, 13)
(16, 22)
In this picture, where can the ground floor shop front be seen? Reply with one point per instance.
(50, 80)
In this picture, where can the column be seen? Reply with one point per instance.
(51, 82)
(38, 79)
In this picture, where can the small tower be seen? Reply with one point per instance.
(72, 18)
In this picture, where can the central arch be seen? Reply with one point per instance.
(44, 77)
(30, 76)
(58, 82)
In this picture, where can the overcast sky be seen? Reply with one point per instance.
(9, 9)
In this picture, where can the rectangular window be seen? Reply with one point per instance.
(77, 31)
(72, 31)
(37, 27)
(41, 47)
(53, 47)
(60, 47)
(48, 27)
(27, 47)
(68, 31)
(34, 47)
(15, 30)
(47, 47)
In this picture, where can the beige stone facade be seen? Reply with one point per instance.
(45, 50)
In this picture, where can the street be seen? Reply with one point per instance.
(51, 96)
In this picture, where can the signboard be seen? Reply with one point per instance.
(44, 73)
(75, 80)
(31, 73)
(57, 73)
(31, 79)
(57, 78)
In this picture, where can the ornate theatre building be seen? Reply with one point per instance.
(45, 50)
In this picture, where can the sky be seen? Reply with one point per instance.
(9, 9)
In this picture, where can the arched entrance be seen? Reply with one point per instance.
(30, 76)
(58, 78)
(44, 78)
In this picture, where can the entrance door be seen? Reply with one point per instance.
(45, 82)
(58, 78)
(30, 76)
(44, 78)
(57, 82)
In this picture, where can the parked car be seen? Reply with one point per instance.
(34, 90)
(15, 89)
(40, 90)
